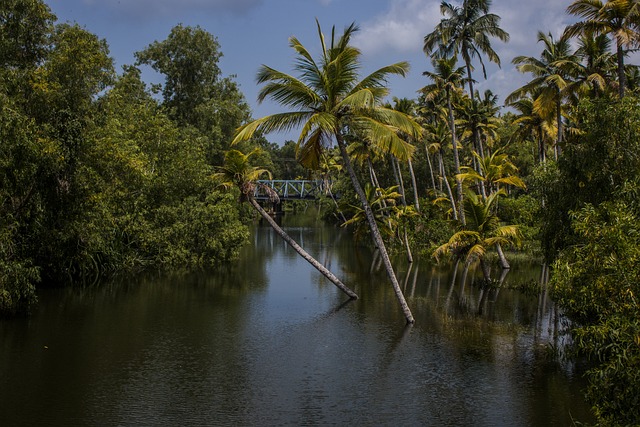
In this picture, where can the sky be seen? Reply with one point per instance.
(256, 32)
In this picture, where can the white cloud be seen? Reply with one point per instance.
(401, 27)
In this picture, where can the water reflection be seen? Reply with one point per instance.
(267, 341)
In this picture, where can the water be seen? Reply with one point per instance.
(267, 341)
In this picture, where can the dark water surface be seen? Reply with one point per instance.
(267, 341)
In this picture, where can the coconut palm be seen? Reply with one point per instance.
(447, 78)
(496, 170)
(237, 171)
(594, 74)
(466, 30)
(532, 125)
(551, 79)
(481, 232)
(617, 18)
(328, 101)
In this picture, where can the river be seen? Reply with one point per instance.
(268, 341)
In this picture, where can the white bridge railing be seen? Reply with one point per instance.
(297, 189)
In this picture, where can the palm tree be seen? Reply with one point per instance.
(408, 107)
(551, 80)
(618, 18)
(237, 171)
(532, 125)
(482, 231)
(328, 101)
(594, 74)
(497, 169)
(447, 78)
(466, 30)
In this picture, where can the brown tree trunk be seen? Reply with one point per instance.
(375, 233)
(321, 268)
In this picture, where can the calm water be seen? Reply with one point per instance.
(267, 341)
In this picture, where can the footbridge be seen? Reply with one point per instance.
(296, 189)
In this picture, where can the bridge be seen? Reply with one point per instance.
(296, 189)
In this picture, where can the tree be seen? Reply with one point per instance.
(447, 78)
(532, 125)
(618, 18)
(328, 101)
(466, 30)
(194, 92)
(481, 232)
(237, 171)
(551, 79)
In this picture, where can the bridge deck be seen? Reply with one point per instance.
(298, 189)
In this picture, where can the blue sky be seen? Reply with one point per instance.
(255, 32)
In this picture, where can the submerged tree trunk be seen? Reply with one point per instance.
(321, 268)
(503, 259)
(375, 233)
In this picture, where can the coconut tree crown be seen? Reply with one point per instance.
(326, 97)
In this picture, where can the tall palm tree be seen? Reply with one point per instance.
(447, 78)
(551, 79)
(618, 18)
(237, 171)
(466, 30)
(328, 101)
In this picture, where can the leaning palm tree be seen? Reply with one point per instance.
(482, 231)
(237, 171)
(328, 101)
(618, 18)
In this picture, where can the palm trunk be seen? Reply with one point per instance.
(503, 259)
(407, 247)
(395, 165)
(622, 78)
(560, 129)
(448, 187)
(456, 158)
(375, 233)
(415, 186)
(321, 268)
(433, 179)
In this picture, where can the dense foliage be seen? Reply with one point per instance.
(597, 235)
(96, 175)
